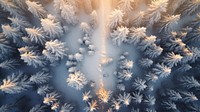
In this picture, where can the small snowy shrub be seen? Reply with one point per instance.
(76, 80)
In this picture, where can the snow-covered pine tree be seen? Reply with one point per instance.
(137, 97)
(92, 106)
(162, 70)
(116, 105)
(68, 13)
(40, 78)
(58, 4)
(137, 21)
(51, 27)
(36, 35)
(76, 80)
(169, 23)
(86, 96)
(51, 57)
(175, 44)
(125, 74)
(169, 105)
(189, 82)
(9, 64)
(43, 90)
(195, 54)
(155, 10)
(12, 33)
(36, 9)
(26, 49)
(184, 68)
(56, 48)
(120, 35)
(189, 97)
(193, 36)
(32, 59)
(126, 64)
(153, 51)
(147, 42)
(192, 55)
(10, 6)
(172, 59)
(189, 7)
(126, 5)
(51, 98)
(5, 48)
(146, 62)
(26, 41)
(174, 5)
(125, 98)
(20, 4)
(151, 77)
(115, 18)
(137, 34)
(19, 22)
(103, 94)
(139, 84)
(173, 95)
(15, 83)
(55, 106)
(150, 100)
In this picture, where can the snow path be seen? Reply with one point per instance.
(100, 39)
